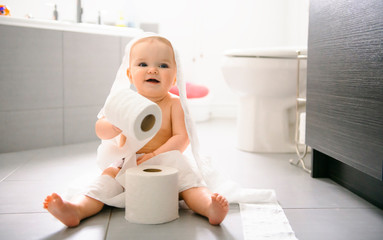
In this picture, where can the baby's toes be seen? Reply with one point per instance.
(220, 198)
(223, 201)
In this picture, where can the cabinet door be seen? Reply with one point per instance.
(31, 96)
(345, 82)
(90, 65)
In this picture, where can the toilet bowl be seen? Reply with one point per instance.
(265, 81)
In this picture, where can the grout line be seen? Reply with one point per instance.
(99, 105)
(21, 165)
(63, 86)
(330, 208)
(107, 226)
(15, 213)
(8, 175)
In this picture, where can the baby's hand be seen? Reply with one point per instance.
(122, 140)
(144, 158)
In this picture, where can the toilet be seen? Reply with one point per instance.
(265, 81)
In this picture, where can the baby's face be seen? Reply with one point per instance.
(152, 68)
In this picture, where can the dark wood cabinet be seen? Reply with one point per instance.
(345, 91)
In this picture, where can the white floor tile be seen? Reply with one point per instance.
(187, 226)
(45, 226)
(337, 223)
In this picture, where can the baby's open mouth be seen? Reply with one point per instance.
(152, 80)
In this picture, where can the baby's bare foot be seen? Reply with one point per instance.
(218, 209)
(64, 211)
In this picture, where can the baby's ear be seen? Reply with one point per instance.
(129, 74)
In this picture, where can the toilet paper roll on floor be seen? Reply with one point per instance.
(151, 194)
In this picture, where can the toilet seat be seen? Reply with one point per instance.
(289, 53)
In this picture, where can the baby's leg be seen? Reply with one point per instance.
(71, 213)
(202, 201)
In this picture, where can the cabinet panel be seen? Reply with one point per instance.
(30, 68)
(52, 85)
(90, 65)
(345, 82)
(24, 130)
(79, 123)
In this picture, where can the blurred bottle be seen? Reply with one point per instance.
(121, 21)
(55, 13)
(4, 11)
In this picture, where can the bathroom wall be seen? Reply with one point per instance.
(203, 30)
(200, 29)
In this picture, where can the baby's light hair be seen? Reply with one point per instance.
(158, 38)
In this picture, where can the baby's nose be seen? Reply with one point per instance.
(153, 70)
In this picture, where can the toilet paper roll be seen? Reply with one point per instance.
(134, 114)
(138, 118)
(151, 194)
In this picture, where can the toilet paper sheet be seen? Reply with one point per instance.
(151, 194)
(265, 221)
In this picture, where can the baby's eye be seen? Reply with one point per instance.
(164, 65)
(142, 64)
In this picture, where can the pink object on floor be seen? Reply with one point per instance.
(192, 91)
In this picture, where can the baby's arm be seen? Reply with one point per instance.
(106, 130)
(179, 140)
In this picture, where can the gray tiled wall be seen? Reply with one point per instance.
(52, 85)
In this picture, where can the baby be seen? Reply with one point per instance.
(152, 70)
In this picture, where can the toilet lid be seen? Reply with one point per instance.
(290, 52)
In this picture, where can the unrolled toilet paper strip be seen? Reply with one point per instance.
(265, 221)
(151, 194)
